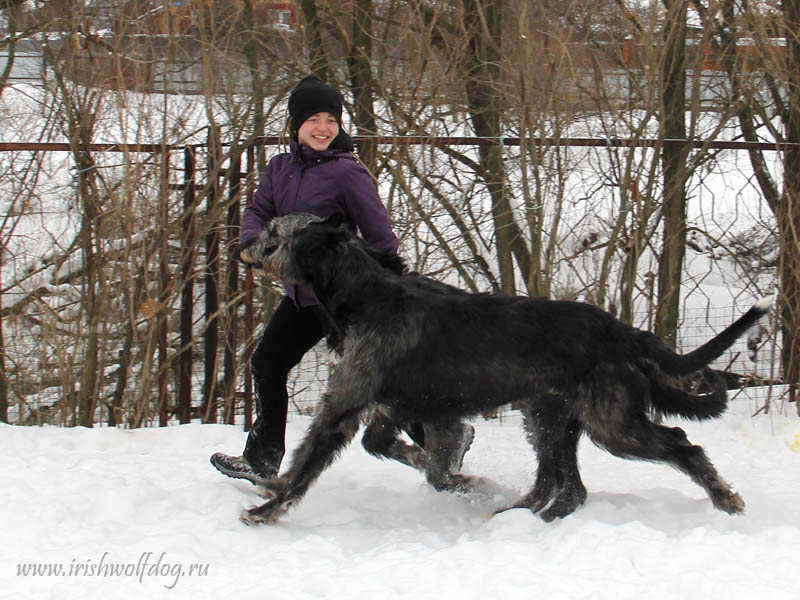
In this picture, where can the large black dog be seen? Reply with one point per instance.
(421, 351)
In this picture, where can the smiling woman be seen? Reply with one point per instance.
(319, 175)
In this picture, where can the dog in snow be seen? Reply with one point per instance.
(422, 351)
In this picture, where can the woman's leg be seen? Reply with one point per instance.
(289, 335)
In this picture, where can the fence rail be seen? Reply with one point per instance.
(420, 140)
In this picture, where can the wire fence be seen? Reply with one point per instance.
(201, 368)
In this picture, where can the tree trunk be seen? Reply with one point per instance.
(674, 161)
(257, 87)
(317, 55)
(359, 62)
(87, 392)
(11, 13)
(789, 211)
(483, 22)
(3, 380)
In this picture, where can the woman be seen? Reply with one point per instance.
(321, 176)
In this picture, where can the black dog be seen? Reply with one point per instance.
(422, 352)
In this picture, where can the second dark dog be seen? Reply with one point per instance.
(421, 354)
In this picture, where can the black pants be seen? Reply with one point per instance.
(290, 333)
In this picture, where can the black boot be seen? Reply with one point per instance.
(256, 472)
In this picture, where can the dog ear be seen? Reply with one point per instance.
(335, 220)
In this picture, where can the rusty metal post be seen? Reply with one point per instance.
(164, 284)
(211, 335)
(252, 178)
(232, 288)
(184, 404)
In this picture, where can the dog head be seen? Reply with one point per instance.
(284, 245)
(278, 231)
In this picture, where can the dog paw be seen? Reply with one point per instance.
(255, 516)
(534, 501)
(460, 484)
(269, 512)
(248, 518)
(733, 504)
(558, 510)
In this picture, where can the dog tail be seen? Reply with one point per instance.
(685, 364)
(698, 406)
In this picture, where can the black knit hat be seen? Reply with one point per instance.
(311, 96)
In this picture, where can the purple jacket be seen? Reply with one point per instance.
(319, 183)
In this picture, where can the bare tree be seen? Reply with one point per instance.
(788, 212)
(140, 307)
(675, 171)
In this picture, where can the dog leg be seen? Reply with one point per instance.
(329, 433)
(648, 441)
(558, 489)
(538, 434)
(572, 493)
(443, 441)
(381, 440)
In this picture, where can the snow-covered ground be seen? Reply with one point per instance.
(141, 513)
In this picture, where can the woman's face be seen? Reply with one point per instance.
(318, 131)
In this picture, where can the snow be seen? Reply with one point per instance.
(94, 500)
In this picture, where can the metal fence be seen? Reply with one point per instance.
(205, 347)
